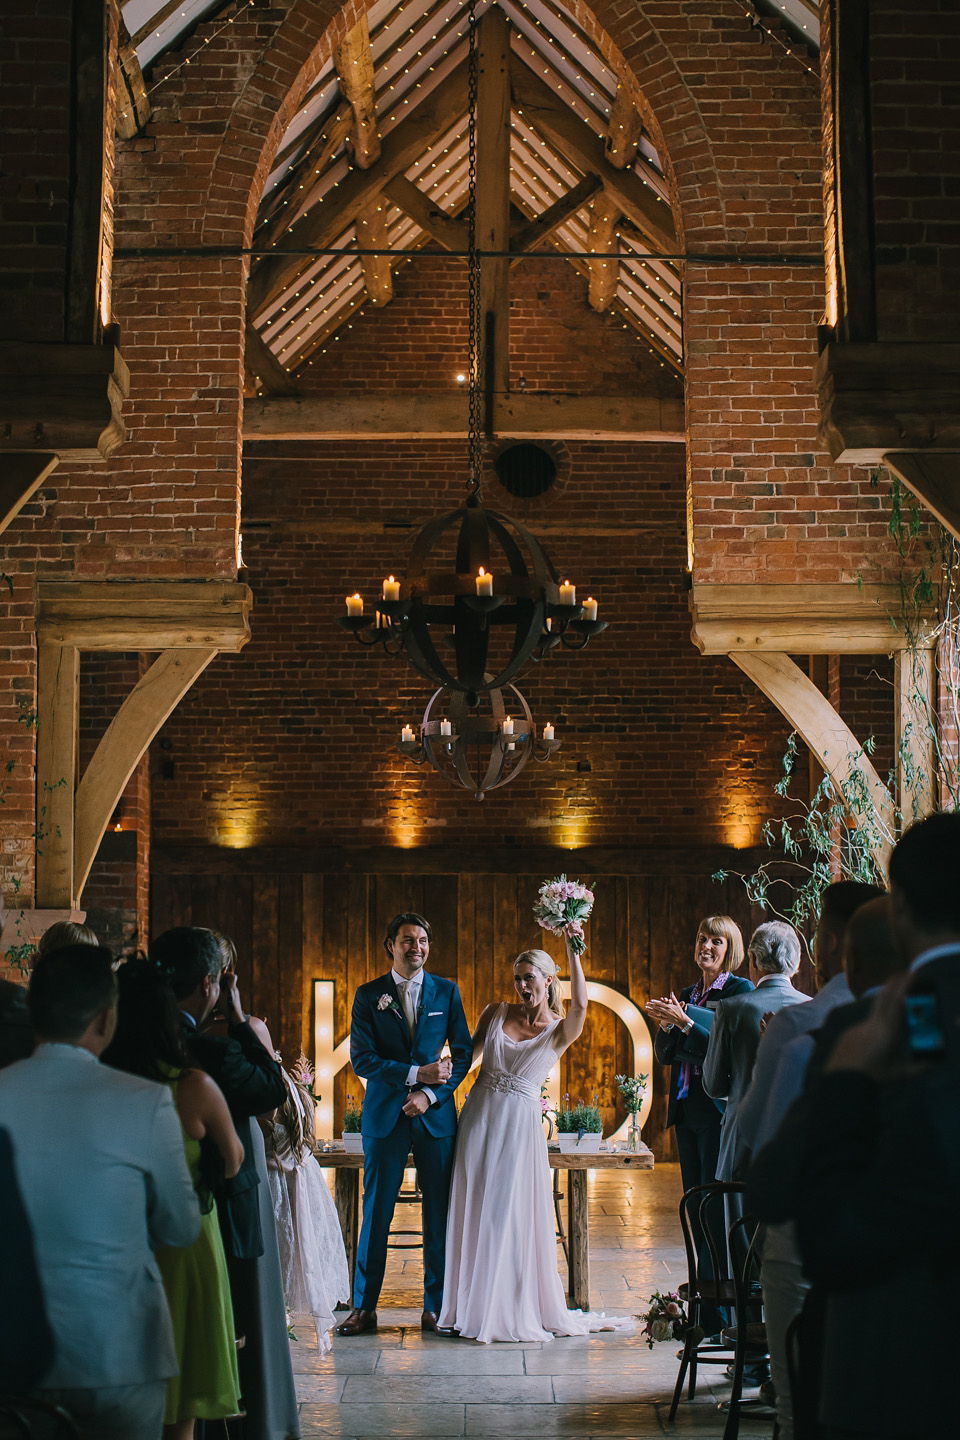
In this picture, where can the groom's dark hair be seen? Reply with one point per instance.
(409, 917)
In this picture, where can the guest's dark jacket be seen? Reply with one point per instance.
(677, 1047)
(252, 1082)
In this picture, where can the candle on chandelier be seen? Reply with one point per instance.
(391, 589)
(355, 604)
(484, 582)
(549, 623)
(568, 593)
(508, 725)
(548, 732)
(406, 735)
(446, 729)
(590, 609)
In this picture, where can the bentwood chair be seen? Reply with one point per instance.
(749, 1334)
(707, 1284)
(24, 1416)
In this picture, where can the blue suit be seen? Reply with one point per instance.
(382, 1051)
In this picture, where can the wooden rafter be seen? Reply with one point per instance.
(493, 197)
(58, 710)
(915, 714)
(295, 194)
(623, 130)
(408, 197)
(354, 65)
(842, 619)
(134, 615)
(372, 235)
(536, 231)
(260, 360)
(604, 274)
(935, 480)
(581, 148)
(426, 123)
(21, 475)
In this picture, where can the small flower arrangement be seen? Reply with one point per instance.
(562, 906)
(387, 1002)
(633, 1088)
(666, 1318)
(579, 1119)
(352, 1117)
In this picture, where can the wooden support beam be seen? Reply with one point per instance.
(295, 194)
(572, 139)
(829, 738)
(801, 619)
(122, 747)
(372, 235)
(427, 122)
(935, 480)
(915, 722)
(408, 197)
(604, 274)
(63, 398)
(853, 172)
(88, 41)
(354, 65)
(58, 699)
(373, 415)
(529, 236)
(21, 475)
(133, 102)
(260, 360)
(623, 130)
(493, 198)
(143, 616)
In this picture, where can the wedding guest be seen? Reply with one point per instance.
(774, 956)
(65, 932)
(777, 1081)
(312, 1255)
(252, 1084)
(681, 1042)
(101, 1191)
(149, 1042)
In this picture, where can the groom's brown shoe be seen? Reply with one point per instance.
(358, 1322)
(428, 1320)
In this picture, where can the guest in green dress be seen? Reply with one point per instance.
(148, 1042)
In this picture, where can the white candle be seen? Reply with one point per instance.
(568, 593)
(549, 623)
(590, 609)
(445, 727)
(391, 589)
(406, 735)
(355, 604)
(508, 726)
(484, 582)
(548, 732)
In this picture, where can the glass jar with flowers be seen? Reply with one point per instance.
(633, 1089)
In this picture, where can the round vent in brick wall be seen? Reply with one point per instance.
(525, 470)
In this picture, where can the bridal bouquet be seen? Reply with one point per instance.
(562, 906)
(665, 1319)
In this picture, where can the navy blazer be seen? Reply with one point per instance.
(382, 1050)
(677, 1047)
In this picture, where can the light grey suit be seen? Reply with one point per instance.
(100, 1162)
(728, 1066)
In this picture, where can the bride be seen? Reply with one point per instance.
(501, 1268)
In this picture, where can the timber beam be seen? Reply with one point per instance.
(448, 232)
(493, 202)
(843, 619)
(884, 398)
(21, 475)
(260, 360)
(393, 415)
(354, 65)
(62, 398)
(143, 616)
(529, 236)
(934, 477)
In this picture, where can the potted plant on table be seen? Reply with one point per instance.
(579, 1127)
(352, 1120)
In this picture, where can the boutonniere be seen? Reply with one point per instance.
(387, 1002)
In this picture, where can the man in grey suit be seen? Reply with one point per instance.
(99, 1160)
(774, 956)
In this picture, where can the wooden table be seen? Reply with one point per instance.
(346, 1190)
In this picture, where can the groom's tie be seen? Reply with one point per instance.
(409, 1009)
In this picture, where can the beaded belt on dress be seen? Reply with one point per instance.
(508, 1084)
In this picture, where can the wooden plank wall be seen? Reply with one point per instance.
(292, 929)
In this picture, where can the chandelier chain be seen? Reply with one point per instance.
(474, 378)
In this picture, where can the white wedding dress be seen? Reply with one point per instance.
(312, 1256)
(501, 1280)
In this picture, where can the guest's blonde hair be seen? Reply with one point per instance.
(721, 927)
(547, 967)
(64, 933)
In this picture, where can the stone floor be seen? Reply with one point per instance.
(399, 1382)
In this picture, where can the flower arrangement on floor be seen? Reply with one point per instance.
(562, 906)
(579, 1119)
(666, 1318)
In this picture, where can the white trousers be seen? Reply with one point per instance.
(784, 1291)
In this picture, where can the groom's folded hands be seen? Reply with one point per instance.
(437, 1073)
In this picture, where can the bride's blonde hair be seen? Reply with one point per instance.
(547, 967)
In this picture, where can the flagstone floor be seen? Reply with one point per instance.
(401, 1383)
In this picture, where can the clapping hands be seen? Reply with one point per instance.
(667, 1011)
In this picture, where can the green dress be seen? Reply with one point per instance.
(198, 1294)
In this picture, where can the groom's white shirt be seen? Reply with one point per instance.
(101, 1167)
(415, 986)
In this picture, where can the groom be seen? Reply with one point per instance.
(399, 1026)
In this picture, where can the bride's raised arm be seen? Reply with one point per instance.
(572, 1023)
